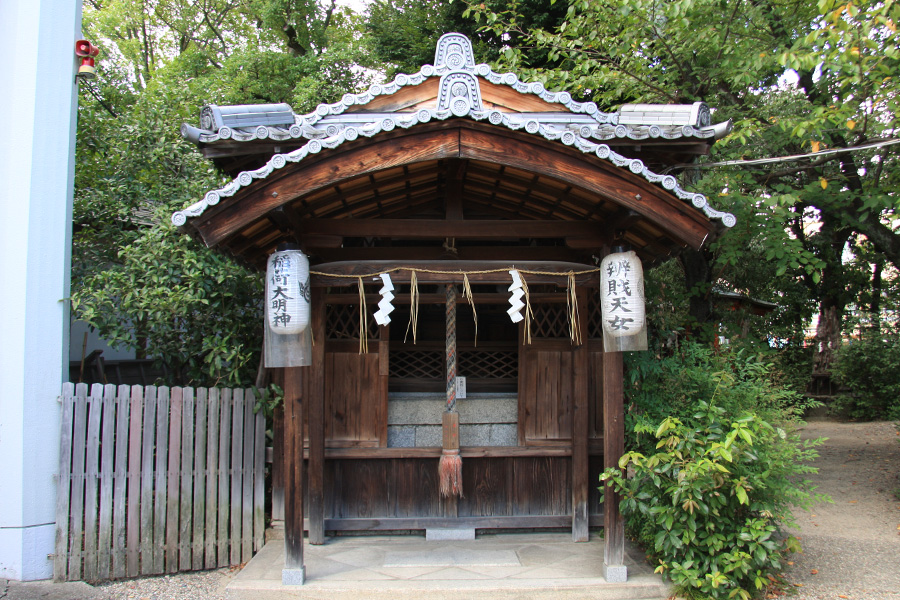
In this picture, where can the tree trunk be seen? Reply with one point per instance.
(828, 338)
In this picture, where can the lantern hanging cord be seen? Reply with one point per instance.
(781, 159)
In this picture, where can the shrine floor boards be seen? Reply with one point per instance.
(496, 566)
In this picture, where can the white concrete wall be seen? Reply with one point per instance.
(37, 147)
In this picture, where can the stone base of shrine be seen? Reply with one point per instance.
(492, 566)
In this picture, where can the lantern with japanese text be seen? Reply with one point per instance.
(622, 302)
(287, 340)
(287, 292)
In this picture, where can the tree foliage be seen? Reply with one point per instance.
(142, 284)
(800, 216)
(403, 33)
(868, 368)
(196, 312)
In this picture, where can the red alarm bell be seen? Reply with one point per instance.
(87, 51)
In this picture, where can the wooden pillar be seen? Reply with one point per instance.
(294, 572)
(580, 418)
(316, 403)
(614, 569)
(278, 464)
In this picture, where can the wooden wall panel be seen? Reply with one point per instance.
(382, 488)
(355, 402)
(408, 488)
(545, 391)
(488, 485)
(413, 489)
(542, 486)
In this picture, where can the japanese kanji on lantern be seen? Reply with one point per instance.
(622, 302)
(287, 331)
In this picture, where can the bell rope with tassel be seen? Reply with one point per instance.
(450, 465)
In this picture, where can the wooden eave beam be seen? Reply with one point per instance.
(395, 253)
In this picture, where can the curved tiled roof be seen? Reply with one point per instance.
(581, 124)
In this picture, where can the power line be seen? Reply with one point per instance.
(783, 159)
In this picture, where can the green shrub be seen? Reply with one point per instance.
(710, 501)
(660, 385)
(870, 368)
(715, 427)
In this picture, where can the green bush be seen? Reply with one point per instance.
(710, 501)
(870, 368)
(712, 441)
(659, 385)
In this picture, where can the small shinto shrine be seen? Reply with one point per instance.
(447, 180)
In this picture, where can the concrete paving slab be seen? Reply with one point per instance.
(407, 572)
(452, 557)
(372, 567)
(452, 574)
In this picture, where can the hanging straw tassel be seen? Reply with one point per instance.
(529, 316)
(413, 307)
(363, 320)
(467, 295)
(450, 465)
(572, 305)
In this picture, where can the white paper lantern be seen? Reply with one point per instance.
(622, 295)
(287, 292)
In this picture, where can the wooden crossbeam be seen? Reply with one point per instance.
(427, 228)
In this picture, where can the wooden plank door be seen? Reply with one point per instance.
(356, 384)
(546, 379)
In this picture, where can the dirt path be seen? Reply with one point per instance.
(851, 548)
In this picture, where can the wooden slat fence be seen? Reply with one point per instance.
(156, 480)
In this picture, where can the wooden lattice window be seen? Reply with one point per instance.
(550, 320)
(417, 364)
(489, 364)
(595, 318)
(342, 322)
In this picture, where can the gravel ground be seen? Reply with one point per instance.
(851, 548)
(208, 585)
(205, 585)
